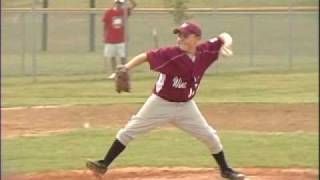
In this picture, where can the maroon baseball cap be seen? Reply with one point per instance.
(188, 28)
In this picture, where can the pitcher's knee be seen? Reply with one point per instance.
(213, 142)
(215, 148)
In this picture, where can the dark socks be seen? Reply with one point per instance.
(114, 151)
(113, 64)
(221, 161)
(123, 60)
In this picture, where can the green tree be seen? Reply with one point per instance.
(179, 10)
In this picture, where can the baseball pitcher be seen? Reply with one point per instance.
(181, 68)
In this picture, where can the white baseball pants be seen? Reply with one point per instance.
(185, 115)
(114, 50)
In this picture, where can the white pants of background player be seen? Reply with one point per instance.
(114, 50)
(185, 115)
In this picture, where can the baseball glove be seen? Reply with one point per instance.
(122, 79)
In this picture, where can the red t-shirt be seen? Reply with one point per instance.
(180, 76)
(114, 25)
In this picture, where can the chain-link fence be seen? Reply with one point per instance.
(284, 40)
(160, 3)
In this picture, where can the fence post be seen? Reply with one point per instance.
(23, 42)
(214, 16)
(252, 39)
(126, 30)
(155, 37)
(34, 43)
(290, 37)
(92, 27)
(45, 26)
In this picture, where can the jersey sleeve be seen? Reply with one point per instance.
(214, 44)
(211, 49)
(159, 60)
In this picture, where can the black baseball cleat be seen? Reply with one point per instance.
(230, 174)
(97, 167)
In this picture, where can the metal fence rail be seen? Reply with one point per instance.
(263, 40)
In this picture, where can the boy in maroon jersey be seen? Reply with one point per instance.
(180, 68)
(114, 32)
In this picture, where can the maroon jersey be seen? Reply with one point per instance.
(180, 74)
(114, 25)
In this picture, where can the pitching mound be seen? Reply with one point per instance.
(180, 173)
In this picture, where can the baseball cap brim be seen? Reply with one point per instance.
(181, 31)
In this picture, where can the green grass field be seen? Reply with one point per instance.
(42, 154)
(269, 150)
(29, 154)
(269, 87)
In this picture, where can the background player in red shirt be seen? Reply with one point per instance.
(180, 68)
(114, 32)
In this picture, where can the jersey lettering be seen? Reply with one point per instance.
(117, 22)
(192, 90)
(178, 83)
(191, 93)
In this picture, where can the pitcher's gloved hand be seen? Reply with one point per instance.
(122, 79)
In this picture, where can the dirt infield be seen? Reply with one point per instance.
(179, 173)
(247, 117)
